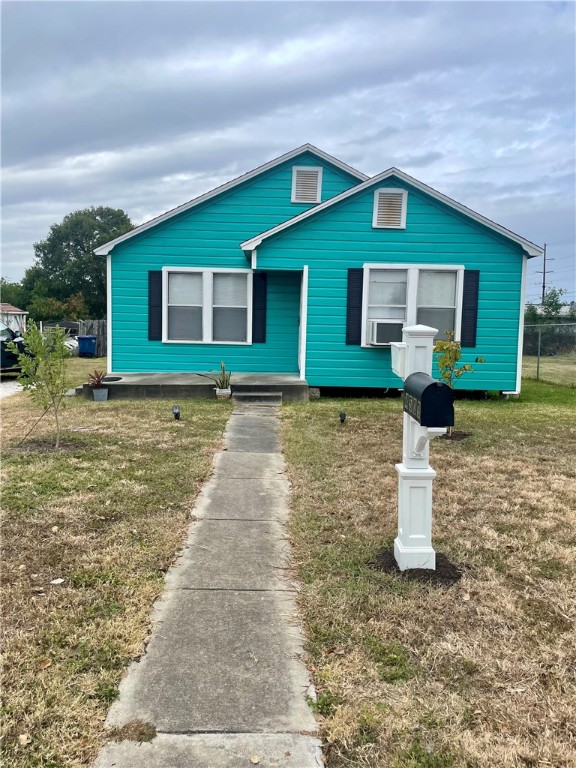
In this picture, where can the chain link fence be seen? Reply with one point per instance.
(550, 352)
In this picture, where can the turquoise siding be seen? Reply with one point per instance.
(343, 237)
(206, 236)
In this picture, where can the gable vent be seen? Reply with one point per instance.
(306, 184)
(389, 209)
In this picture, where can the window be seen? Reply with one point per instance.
(306, 184)
(207, 306)
(390, 208)
(399, 295)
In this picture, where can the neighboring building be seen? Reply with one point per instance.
(307, 266)
(567, 310)
(13, 317)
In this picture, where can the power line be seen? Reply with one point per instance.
(543, 273)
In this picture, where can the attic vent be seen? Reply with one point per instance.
(306, 184)
(389, 209)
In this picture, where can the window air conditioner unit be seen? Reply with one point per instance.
(381, 333)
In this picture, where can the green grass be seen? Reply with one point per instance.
(107, 514)
(557, 369)
(413, 675)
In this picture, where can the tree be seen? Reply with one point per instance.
(65, 261)
(448, 352)
(12, 293)
(43, 369)
(46, 308)
(552, 304)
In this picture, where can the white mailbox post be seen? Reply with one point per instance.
(413, 544)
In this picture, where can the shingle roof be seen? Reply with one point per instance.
(12, 309)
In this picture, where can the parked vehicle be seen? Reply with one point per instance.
(9, 360)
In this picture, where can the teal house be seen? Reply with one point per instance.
(306, 266)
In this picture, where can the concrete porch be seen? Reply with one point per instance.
(280, 386)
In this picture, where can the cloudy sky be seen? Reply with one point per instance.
(145, 105)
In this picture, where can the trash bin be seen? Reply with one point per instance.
(87, 346)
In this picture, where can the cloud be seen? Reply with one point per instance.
(144, 105)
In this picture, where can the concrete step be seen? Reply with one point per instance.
(268, 398)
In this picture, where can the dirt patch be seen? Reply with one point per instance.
(456, 435)
(45, 446)
(135, 730)
(445, 575)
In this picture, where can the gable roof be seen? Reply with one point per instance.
(105, 249)
(531, 248)
(11, 309)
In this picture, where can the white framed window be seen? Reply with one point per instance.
(395, 295)
(306, 184)
(206, 306)
(390, 208)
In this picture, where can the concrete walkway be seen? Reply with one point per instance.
(221, 679)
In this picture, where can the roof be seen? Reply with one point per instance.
(531, 248)
(12, 310)
(105, 249)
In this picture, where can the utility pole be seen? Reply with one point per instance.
(544, 272)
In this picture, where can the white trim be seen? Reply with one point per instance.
(389, 190)
(105, 249)
(109, 315)
(303, 323)
(253, 260)
(207, 306)
(521, 328)
(318, 196)
(531, 248)
(413, 271)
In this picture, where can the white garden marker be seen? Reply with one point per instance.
(428, 411)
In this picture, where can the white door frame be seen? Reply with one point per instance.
(303, 323)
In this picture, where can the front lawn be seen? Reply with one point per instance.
(476, 675)
(88, 533)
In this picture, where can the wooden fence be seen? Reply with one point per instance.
(95, 328)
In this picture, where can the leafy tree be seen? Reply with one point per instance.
(12, 293)
(76, 308)
(46, 308)
(448, 352)
(531, 316)
(552, 304)
(43, 369)
(65, 260)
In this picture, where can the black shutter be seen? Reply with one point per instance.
(470, 307)
(354, 306)
(155, 306)
(259, 291)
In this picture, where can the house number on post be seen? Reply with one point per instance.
(428, 410)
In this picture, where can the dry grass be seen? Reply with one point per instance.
(559, 369)
(481, 674)
(105, 514)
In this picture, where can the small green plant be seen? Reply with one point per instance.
(448, 352)
(43, 369)
(326, 703)
(222, 379)
(96, 379)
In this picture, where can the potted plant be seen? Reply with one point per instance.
(222, 381)
(96, 383)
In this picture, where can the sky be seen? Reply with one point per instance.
(145, 105)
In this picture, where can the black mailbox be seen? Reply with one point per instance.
(429, 402)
